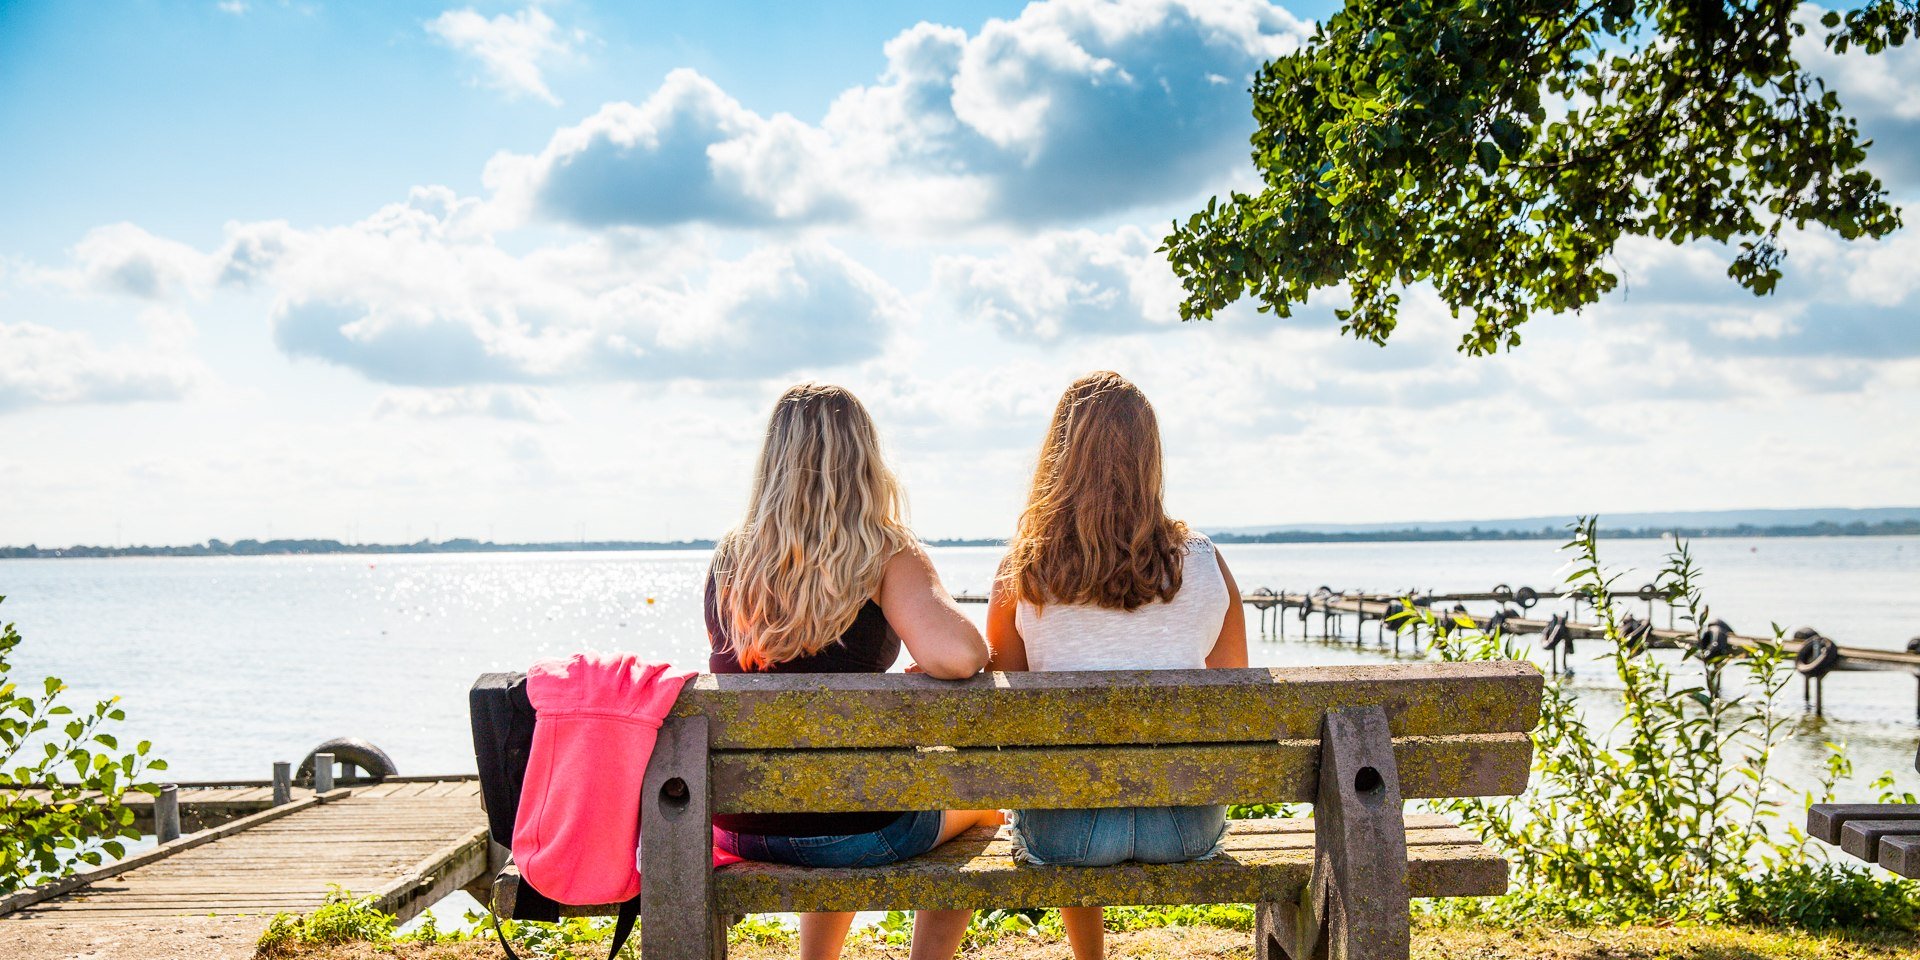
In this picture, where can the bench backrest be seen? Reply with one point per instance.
(832, 742)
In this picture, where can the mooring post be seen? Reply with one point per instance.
(323, 773)
(1820, 697)
(166, 813)
(282, 782)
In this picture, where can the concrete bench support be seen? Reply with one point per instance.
(1356, 906)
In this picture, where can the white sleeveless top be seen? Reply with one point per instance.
(1172, 635)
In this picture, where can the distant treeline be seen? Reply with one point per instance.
(1885, 528)
(272, 548)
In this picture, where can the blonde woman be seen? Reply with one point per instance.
(1098, 577)
(823, 576)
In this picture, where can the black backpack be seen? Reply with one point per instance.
(503, 718)
(502, 737)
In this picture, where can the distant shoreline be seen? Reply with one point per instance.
(291, 548)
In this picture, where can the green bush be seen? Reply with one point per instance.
(341, 918)
(1674, 812)
(82, 819)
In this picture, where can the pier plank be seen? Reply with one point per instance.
(407, 845)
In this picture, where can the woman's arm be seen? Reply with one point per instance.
(1003, 635)
(941, 640)
(1231, 649)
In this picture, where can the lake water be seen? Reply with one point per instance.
(228, 664)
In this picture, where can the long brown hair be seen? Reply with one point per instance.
(825, 516)
(1095, 530)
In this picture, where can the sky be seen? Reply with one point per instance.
(536, 271)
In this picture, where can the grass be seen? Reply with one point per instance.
(1432, 941)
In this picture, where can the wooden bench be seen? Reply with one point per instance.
(1352, 741)
(1884, 833)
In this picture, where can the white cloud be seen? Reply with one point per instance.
(417, 295)
(501, 403)
(126, 260)
(1837, 299)
(44, 366)
(1066, 282)
(1883, 272)
(236, 7)
(511, 48)
(1072, 109)
(689, 153)
(1758, 325)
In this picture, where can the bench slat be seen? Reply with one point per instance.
(850, 780)
(1247, 835)
(978, 871)
(1861, 838)
(1901, 855)
(1432, 871)
(1825, 820)
(787, 711)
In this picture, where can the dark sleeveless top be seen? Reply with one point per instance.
(867, 646)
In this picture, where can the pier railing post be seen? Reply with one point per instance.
(323, 773)
(166, 813)
(282, 782)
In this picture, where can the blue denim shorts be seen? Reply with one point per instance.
(909, 836)
(1102, 838)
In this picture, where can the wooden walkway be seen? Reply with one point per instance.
(407, 843)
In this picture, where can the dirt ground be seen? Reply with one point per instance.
(231, 938)
(201, 938)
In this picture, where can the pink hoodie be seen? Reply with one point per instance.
(577, 832)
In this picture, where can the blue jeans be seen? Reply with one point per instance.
(1102, 838)
(909, 836)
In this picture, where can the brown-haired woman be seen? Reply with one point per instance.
(1098, 577)
(822, 576)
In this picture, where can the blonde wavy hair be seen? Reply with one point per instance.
(1095, 530)
(825, 516)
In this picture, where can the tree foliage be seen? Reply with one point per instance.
(1500, 149)
(63, 778)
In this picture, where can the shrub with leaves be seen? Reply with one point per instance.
(63, 778)
(340, 918)
(1674, 813)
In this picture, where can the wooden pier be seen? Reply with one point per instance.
(1374, 607)
(1334, 609)
(406, 842)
